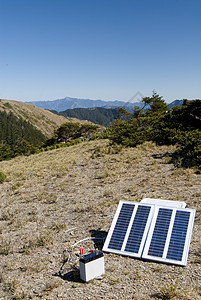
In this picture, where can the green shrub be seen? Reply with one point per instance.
(6, 152)
(71, 131)
(70, 134)
(190, 148)
(7, 105)
(180, 126)
(129, 133)
(2, 177)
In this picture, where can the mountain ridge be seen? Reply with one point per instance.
(61, 105)
(70, 103)
(102, 115)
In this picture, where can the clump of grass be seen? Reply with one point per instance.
(146, 146)
(5, 215)
(157, 269)
(178, 172)
(56, 226)
(137, 276)
(198, 257)
(39, 196)
(101, 151)
(40, 241)
(26, 248)
(198, 215)
(17, 224)
(114, 280)
(101, 174)
(4, 247)
(33, 267)
(1, 278)
(11, 286)
(167, 293)
(15, 187)
(50, 286)
(50, 198)
(108, 193)
(43, 240)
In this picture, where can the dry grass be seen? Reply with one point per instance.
(51, 200)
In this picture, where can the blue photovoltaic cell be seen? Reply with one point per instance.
(121, 226)
(160, 232)
(178, 237)
(137, 229)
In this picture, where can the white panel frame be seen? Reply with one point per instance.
(169, 203)
(122, 251)
(183, 262)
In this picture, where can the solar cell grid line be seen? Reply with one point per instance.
(178, 237)
(137, 229)
(160, 232)
(121, 226)
(169, 233)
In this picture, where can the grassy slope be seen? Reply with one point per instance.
(43, 120)
(54, 199)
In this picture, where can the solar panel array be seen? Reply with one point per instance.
(149, 231)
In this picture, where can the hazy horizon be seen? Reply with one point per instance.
(108, 100)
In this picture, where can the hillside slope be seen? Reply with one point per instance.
(98, 115)
(14, 130)
(43, 120)
(54, 199)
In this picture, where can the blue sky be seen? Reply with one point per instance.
(100, 49)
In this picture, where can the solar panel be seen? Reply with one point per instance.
(169, 235)
(129, 228)
(149, 231)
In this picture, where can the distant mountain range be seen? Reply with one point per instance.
(96, 111)
(71, 103)
(61, 105)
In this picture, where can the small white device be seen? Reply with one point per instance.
(91, 265)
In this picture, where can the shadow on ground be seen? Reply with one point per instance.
(73, 275)
(99, 238)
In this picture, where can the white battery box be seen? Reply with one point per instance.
(91, 265)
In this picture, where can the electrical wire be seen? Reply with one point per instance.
(88, 238)
(71, 257)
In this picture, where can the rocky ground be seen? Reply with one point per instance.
(54, 199)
